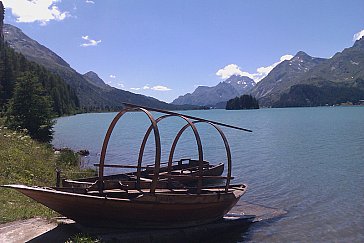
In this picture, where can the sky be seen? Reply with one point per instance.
(166, 48)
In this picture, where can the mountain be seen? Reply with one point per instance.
(95, 80)
(344, 68)
(31, 49)
(92, 92)
(14, 67)
(232, 87)
(282, 77)
(339, 79)
(242, 84)
(310, 81)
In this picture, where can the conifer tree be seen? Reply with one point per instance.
(30, 108)
(243, 102)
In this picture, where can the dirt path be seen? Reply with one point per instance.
(25, 230)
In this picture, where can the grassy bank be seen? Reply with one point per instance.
(25, 161)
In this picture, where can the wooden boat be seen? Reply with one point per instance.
(139, 208)
(190, 168)
(158, 202)
(185, 166)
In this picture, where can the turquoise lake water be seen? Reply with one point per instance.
(307, 161)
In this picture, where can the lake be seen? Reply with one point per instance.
(307, 161)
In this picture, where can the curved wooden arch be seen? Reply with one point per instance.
(227, 148)
(157, 146)
(147, 134)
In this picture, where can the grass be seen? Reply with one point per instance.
(83, 238)
(25, 161)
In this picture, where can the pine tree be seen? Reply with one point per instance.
(243, 102)
(30, 108)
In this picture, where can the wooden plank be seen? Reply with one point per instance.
(196, 176)
(122, 166)
(190, 117)
(79, 182)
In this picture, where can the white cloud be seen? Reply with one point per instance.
(89, 1)
(155, 88)
(285, 58)
(358, 35)
(233, 69)
(89, 42)
(160, 88)
(29, 11)
(262, 72)
(112, 76)
(120, 85)
(198, 85)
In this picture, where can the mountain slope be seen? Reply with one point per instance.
(31, 49)
(13, 66)
(337, 80)
(282, 77)
(95, 80)
(209, 96)
(242, 84)
(345, 68)
(91, 95)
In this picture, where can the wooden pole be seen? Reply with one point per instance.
(187, 116)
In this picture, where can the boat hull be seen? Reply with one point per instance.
(166, 210)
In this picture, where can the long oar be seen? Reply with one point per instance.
(191, 117)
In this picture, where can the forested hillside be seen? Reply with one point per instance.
(92, 96)
(13, 65)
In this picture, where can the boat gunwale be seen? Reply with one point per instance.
(234, 188)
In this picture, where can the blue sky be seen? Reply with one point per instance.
(167, 48)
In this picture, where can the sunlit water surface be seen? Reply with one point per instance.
(308, 161)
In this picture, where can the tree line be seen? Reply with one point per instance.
(303, 95)
(243, 102)
(30, 95)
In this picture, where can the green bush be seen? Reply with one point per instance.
(67, 157)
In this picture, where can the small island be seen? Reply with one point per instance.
(244, 102)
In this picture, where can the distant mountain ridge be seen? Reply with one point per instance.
(282, 77)
(92, 92)
(300, 81)
(235, 85)
(31, 48)
(50, 88)
(94, 79)
(290, 83)
(242, 84)
(345, 68)
(339, 79)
